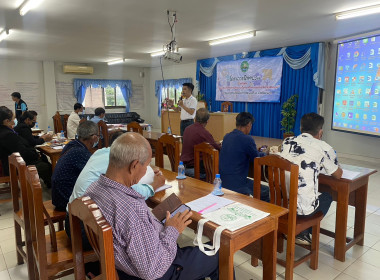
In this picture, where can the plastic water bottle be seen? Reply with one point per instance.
(36, 125)
(181, 170)
(169, 130)
(62, 136)
(49, 129)
(88, 118)
(149, 128)
(217, 186)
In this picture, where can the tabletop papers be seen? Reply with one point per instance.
(208, 203)
(164, 187)
(348, 174)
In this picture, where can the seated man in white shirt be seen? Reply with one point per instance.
(312, 155)
(73, 121)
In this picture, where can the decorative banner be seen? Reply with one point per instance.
(250, 80)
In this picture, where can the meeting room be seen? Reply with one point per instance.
(189, 140)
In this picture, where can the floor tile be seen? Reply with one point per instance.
(10, 259)
(241, 274)
(376, 246)
(324, 271)
(344, 276)
(6, 223)
(3, 265)
(369, 239)
(19, 272)
(372, 257)
(4, 275)
(241, 257)
(362, 270)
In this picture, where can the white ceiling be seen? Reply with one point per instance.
(93, 31)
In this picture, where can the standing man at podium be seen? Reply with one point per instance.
(188, 105)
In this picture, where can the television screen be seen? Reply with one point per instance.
(357, 86)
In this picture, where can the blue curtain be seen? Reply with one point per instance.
(160, 84)
(302, 74)
(80, 86)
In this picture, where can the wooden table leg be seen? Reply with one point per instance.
(360, 212)
(269, 255)
(54, 159)
(341, 224)
(226, 260)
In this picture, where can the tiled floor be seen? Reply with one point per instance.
(361, 262)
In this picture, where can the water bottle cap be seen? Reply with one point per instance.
(217, 176)
(180, 163)
(61, 130)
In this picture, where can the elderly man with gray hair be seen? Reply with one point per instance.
(143, 246)
(73, 158)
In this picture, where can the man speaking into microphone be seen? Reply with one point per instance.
(187, 105)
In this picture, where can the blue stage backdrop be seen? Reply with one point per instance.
(302, 74)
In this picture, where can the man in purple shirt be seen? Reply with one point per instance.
(196, 134)
(143, 246)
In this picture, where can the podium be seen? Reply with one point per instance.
(219, 124)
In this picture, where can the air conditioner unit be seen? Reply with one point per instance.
(78, 69)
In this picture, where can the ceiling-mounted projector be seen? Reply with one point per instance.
(173, 56)
(171, 49)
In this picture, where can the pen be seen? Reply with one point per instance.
(208, 207)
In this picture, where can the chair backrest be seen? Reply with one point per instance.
(135, 126)
(227, 107)
(17, 169)
(99, 233)
(65, 119)
(57, 123)
(210, 157)
(103, 130)
(171, 144)
(37, 212)
(277, 167)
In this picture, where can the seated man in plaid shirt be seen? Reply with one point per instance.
(144, 247)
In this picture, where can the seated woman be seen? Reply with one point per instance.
(10, 143)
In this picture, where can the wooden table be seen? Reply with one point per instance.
(53, 154)
(231, 242)
(36, 131)
(347, 192)
(218, 125)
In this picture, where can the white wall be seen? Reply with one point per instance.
(349, 144)
(174, 71)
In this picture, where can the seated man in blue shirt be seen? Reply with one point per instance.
(73, 159)
(100, 114)
(238, 150)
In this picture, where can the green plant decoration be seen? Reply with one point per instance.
(289, 113)
(200, 96)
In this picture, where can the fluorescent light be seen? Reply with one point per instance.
(116, 61)
(28, 5)
(3, 34)
(358, 12)
(236, 37)
(157, 53)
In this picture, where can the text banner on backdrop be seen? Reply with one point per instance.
(250, 80)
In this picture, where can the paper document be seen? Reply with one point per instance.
(208, 203)
(348, 174)
(164, 187)
(235, 216)
(58, 147)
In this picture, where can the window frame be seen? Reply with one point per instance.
(104, 99)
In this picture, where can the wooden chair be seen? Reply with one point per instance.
(65, 119)
(57, 123)
(290, 225)
(210, 158)
(17, 170)
(99, 233)
(103, 130)
(171, 144)
(52, 253)
(135, 127)
(227, 107)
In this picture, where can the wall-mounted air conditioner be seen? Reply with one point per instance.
(78, 69)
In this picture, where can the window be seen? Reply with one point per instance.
(171, 93)
(108, 97)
